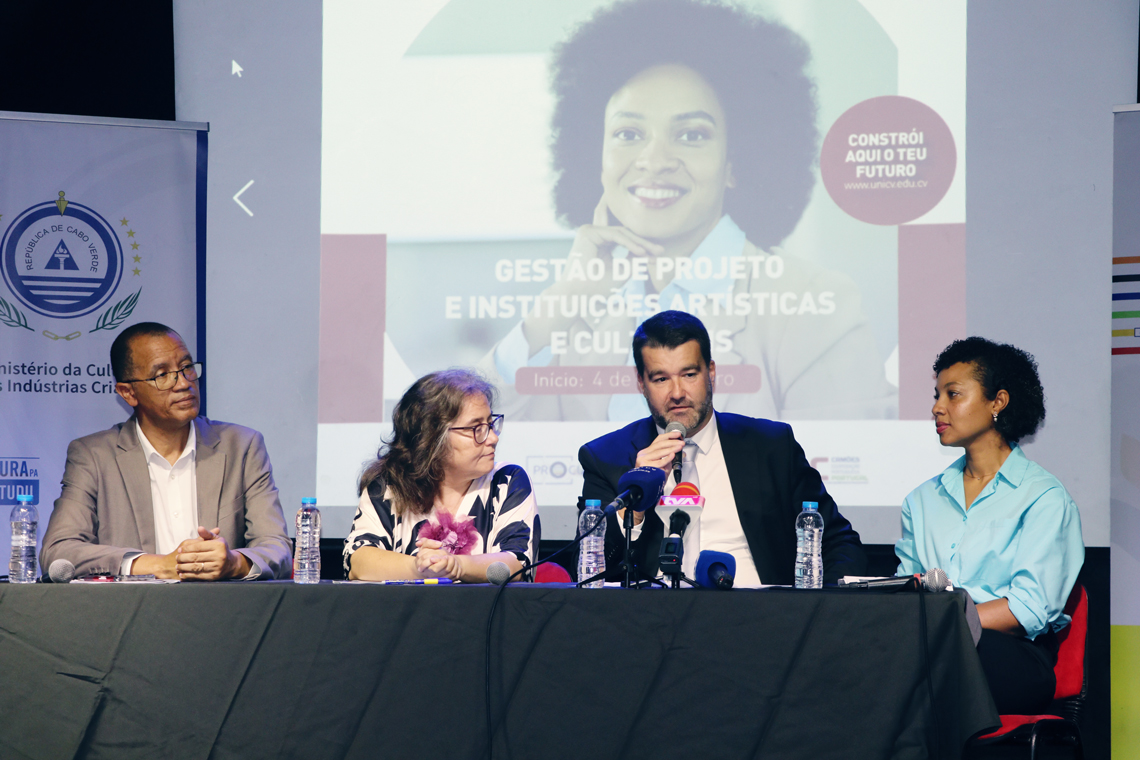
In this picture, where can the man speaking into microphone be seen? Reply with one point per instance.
(752, 473)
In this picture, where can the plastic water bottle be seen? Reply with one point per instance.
(25, 518)
(307, 551)
(592, 552)
(809, 538)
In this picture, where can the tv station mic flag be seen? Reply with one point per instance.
(102, 225)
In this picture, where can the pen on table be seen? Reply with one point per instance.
(419, 582)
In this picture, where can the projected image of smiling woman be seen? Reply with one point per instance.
(665, 163)
(705, 124)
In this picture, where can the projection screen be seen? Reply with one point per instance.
(514, 186)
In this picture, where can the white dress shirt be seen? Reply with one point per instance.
(721, 531)
(173, 496)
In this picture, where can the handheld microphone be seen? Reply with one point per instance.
(901, 583)
(639, 489)
(61, 571)
(716, 569)
(680, 428)
(933, 580)
(498, 573)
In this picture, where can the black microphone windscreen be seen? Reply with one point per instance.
(649, 482)
(678, 521)
(61, 571)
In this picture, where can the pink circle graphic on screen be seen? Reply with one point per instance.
(888, 160)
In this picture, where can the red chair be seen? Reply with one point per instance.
(550, 572)
(1072, 688)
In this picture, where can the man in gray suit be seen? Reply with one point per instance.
(167, 492)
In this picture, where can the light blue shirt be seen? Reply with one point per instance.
(1021, 539)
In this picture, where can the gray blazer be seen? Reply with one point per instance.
(105, 508)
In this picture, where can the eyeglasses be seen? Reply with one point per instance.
(164, 381)
(481, 431)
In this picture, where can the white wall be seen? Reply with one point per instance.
(1041, 82)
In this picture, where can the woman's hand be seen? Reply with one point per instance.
(433, 562)
(597, 240)
(427, 543)
(592, 241)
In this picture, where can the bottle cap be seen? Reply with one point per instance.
(25, 498)
(308, 501)
(593, 503)
(811, 506)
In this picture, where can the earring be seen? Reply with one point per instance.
(995, 416)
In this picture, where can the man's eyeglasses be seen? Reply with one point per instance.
(483, 429)
(164, 381)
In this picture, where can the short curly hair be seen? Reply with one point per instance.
(1000, 366)
(755, 66)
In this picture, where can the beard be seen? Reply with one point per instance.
(697, 416)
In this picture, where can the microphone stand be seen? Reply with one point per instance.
(670, 560)
(632, 577)
(675, 580)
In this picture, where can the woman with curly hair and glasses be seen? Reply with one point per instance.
(1003, 529)
(684, 140)
(435, 504)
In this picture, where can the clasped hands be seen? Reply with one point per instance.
(206, 558)
(433, 561)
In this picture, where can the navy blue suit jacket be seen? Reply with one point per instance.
(770, 479)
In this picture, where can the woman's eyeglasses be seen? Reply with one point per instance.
(483, 430)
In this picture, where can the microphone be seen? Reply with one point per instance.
(639, 489)
(672, 546)
(685, 488)
(678, 521)
(497, 573)
(680, 428)
(61, 571)
(933, 580)
(715, 569)
(684, 494)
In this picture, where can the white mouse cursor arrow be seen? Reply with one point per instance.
(236, 69)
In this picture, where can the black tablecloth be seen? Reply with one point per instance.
(276, 670)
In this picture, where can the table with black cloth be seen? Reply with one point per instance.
(277, 670)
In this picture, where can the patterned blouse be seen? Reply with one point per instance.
(500, 504)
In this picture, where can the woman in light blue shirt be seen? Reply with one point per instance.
(1002, 528)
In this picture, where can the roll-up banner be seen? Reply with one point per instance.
(102, 225)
